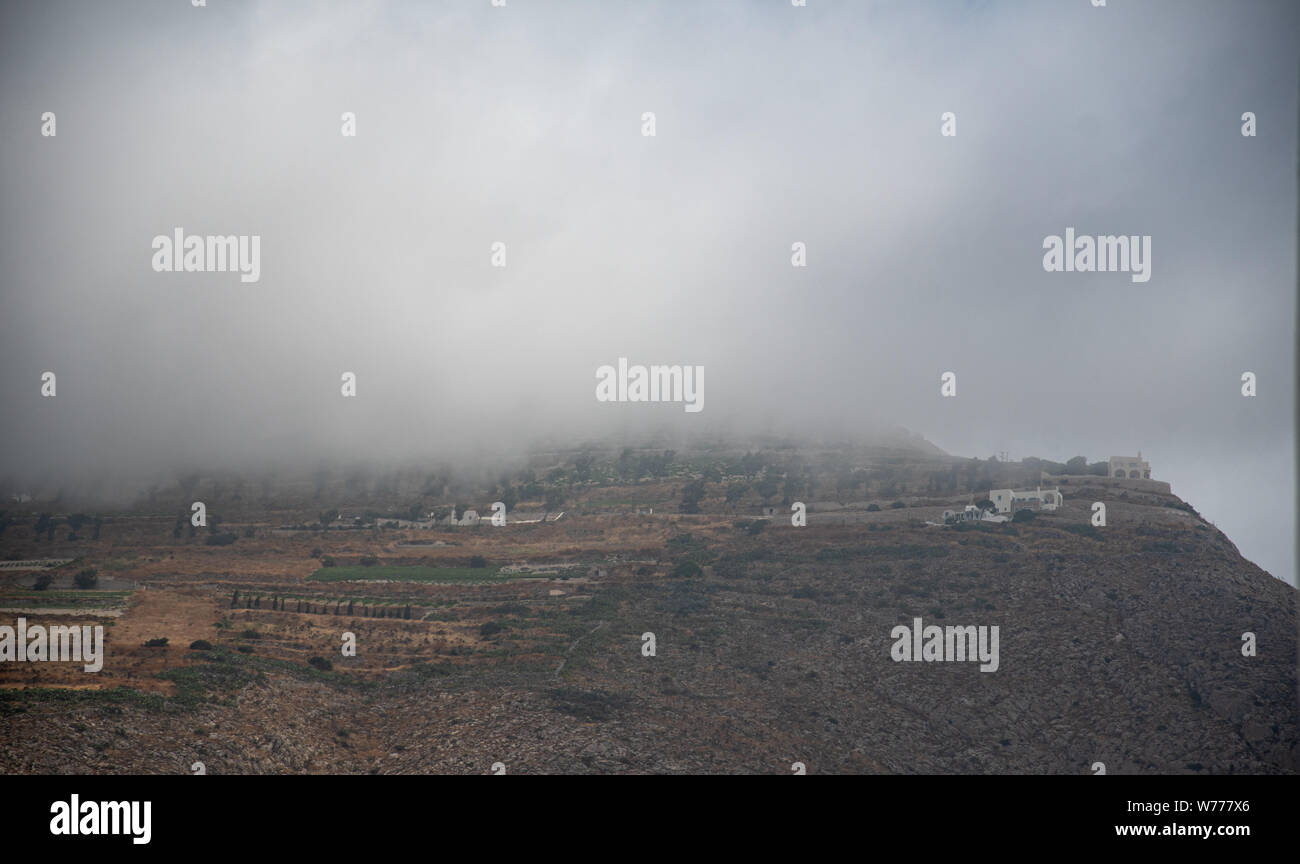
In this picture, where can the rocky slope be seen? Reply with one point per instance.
(1121, 645)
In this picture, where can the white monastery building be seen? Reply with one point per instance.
(1009, 500)
(1130, 467)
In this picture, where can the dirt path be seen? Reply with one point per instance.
(569, 650)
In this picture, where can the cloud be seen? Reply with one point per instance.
(774, 125)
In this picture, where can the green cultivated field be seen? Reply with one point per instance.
(450, 575)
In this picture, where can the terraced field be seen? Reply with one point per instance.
(413, 573)
(21, 600)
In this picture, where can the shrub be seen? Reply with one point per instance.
(832, 554)
(731, 567)
(369, 561)
(160, 642)
(477, 561)
(315, 553)
(898, 505)
(42, 582)
(1087, 530)
(491, 628)
(692, 492)
(873, 508)
(200, 645)
(587, 705)
(321, 663)
(687, 598)
(244, 649)
(327, 561)
(900, 550)
(86, 579)
(1023, 516)
(221, 539)
(687, 570)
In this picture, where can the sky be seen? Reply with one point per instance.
(774, 124)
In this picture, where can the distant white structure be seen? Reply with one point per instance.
(769, 512)
(645, 511)
(970, 514)
(1130, 467)
(1009, 500)
(469, 517)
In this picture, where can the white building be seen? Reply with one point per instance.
(970, 514)
(1009, 500)
(469, 517)
(1130, 467)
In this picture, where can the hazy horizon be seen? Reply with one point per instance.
(774, 125)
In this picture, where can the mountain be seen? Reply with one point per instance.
(773, 644)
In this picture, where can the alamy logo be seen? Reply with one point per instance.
(211, 254)
(950, 644)
(652, 384)
(54, 644)
(1102, 254)
(103, 817)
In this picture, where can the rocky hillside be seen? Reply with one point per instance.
(773, 645)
